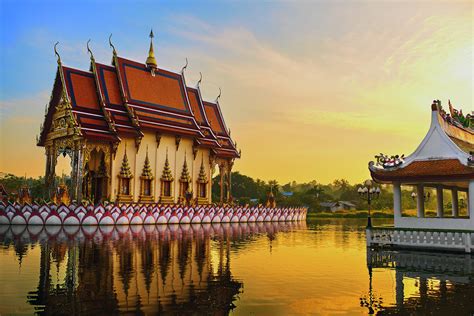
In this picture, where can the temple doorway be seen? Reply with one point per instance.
(94, 186)
(62, 189)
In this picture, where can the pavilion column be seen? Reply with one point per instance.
(73, 188)
(470, 199)
(454, 202)
(229, 183)
(420, 200)
(52, 171)
(439, 200)
(47, 175)
(79, 174)
(221, 173)
(397, 201)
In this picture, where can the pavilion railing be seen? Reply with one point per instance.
(460, 241)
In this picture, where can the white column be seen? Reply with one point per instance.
(420, 200)
(470, 198)
(397, 202)
(439, 199)
(454, 202)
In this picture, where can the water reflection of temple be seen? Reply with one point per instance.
(427, 282)
(135, 269)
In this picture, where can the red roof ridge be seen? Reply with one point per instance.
(136, 129)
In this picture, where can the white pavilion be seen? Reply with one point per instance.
(443, 161)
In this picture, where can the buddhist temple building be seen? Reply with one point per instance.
(442, 163)
(135, 133)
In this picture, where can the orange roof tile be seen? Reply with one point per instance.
(161, 99)
(160, 102)
(81, 89)
(426, 170)
(197, 109)
(214, 118)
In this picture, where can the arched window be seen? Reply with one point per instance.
(166, 183)
(202, 184)
(125, 176)
(146, 179)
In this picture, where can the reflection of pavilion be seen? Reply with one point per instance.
(444, 284)
(145, 269)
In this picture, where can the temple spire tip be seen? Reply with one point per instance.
(112, 45)
(89, 50)
(56, 53)
(151, 60)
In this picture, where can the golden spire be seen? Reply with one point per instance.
(202, 177)
(185, 177)
(90, 51)
(125, 168)
(151, 61)
(146, 172)
(112, 45)
(167, 175)
(56, 53)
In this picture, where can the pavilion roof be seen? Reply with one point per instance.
(216, 120)
(443, 155)
(197, 106)
(128, 97)
(160, 101)
(82, 91)
(110, 94)
(428, 170)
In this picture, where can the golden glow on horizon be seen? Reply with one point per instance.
(321, 110)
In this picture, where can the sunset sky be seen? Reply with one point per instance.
(310, 90)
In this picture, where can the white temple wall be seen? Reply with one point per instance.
(157, 157)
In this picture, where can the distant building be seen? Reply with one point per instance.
(338, 206)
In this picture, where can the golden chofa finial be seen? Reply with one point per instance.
(199, 81)
(112, 45)
(151, 61)
(219, 96)
(56, 53)
(89, 50)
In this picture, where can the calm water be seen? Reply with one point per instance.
(319, 267)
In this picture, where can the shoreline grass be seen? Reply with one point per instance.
(350, 214)
(364, 214)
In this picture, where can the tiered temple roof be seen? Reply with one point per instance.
(444, 155)
(129, 97)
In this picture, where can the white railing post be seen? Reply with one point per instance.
(467, 242)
